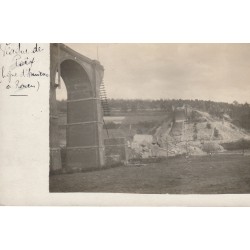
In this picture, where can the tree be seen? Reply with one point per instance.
(209, 147)
(216, 132)
(195, 130)
(235, 103)
(243, 145)
(133, 107)
(208, 125)
(124, 107)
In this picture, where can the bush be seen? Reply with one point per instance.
(111, 125)
(236, 145)
(210, 147)
(195, 116)
(209, 126)
(216, 132)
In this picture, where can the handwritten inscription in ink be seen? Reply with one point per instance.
(20, 67)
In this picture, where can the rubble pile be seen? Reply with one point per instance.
(187, 137)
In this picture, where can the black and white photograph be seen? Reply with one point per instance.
(149, 118)
(125, 125)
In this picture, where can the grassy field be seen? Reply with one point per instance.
(218, 174)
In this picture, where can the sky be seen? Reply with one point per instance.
(216, 72)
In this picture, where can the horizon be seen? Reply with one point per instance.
(168, 99)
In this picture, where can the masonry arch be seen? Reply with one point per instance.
(82, 77)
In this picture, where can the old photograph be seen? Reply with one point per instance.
(149, 118)
(125, 125)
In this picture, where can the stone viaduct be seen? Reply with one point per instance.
(82, 77)
(85, 146)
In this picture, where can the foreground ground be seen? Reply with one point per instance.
(219, 174)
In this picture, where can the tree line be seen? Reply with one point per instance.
(239, 113)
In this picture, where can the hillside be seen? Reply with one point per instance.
(196, 132)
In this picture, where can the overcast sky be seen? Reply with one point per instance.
(218, 72)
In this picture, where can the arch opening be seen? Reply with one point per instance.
(76, 80)
(79, 121)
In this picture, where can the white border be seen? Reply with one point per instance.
(124, 21)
